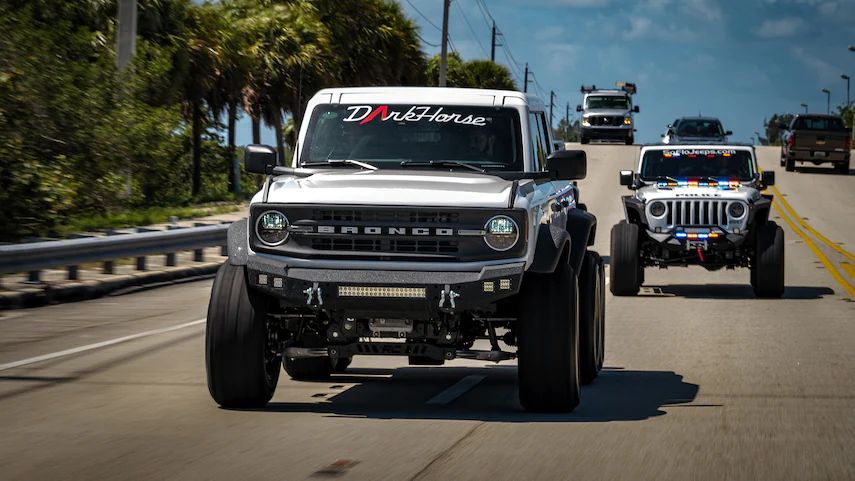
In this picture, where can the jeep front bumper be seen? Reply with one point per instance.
(405, 294)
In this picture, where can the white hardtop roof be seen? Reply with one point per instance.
(698, 147)
(429, 96)
(607, 92)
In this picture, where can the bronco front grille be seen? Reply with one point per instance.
(701, 212)
(385, 245)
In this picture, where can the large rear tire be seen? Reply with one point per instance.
(548, 342)
(768, 266)
(242, 370)
(624, 278)
(590, 296)
(842, 168)
(601, 269)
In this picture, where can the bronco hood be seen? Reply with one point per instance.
(393, 187)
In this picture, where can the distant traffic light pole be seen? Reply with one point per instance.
(827, 100)
(126, 39)
(846, 78)
(806, 107)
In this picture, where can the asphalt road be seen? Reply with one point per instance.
(702, 381)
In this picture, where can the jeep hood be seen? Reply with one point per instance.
(652, 192)
(393, 187)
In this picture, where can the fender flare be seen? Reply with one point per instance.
(551, 244)
(238, 243)
(582, 228)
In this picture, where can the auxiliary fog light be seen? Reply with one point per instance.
(374, 291)
(277, 282)
(262, 279)
(502, 233)
(505, 284)
(489, 286)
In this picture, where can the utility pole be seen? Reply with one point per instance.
(525, 79)
(443, 59)
(806, 107)
(567, 122)
(846, 78)
(551, 106)
(828, 100)
(126, 40)
(493, 48)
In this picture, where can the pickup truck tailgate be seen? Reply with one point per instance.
(818, 140)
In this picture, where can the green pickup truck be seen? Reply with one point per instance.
(817, 139)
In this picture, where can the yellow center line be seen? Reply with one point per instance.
(807, 227)
(817, 252)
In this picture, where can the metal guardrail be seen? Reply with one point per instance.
(71, 253)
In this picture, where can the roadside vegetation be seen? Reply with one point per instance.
(81, 140)
(773, 133)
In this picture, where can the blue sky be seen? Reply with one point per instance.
(737, 60)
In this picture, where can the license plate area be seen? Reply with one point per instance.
(693, 245)
(819, 155)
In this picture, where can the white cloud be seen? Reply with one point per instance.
(781, 28)
(824, 71)
(638, 27)
(562, 57)
(705, 9)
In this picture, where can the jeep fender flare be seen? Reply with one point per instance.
(238, 243)
(634, 210)
(759, 213)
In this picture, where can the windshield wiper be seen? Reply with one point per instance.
(339, 163)
(440, 163)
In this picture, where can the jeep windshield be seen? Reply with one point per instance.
(415, 136)
(617, 102)
(700, 128)
(697, 163)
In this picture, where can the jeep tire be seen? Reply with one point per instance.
(309, 368)
(630, 140)
(584, 140)
(241, 370)
(767, 270)
(590, 319)
(624, 273)
(548, 341)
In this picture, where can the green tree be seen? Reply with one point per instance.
(773, 133)
(486, 74)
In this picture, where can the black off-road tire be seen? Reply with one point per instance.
(590, 295)
(624, 278)
(601, 270)
(768, 265)
(309, 368)
(241, 370)
(842, 168)
(789, 164)
(630, 140)
(584, 140)
(548, 341)
(341, 364)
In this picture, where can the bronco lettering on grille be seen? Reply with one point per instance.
(404, 231)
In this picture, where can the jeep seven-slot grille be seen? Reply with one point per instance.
(697, 212)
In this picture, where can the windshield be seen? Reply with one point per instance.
(387, 135)
(608, 102)
(700, 128)
(694, 163)
(818, 123)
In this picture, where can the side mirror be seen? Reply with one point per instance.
(635, 109)
(768, 177)
(567, 164)
(626, 177)
(729, 132)
(578, 108)
(259, 159)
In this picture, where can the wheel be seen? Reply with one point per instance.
(341, 364)
(242, 369)
(424, 361)
(584, 140)
(630, 140)
(624, 272)
(842, 168)
(768, 265)
(789, 164)
(548, 342)
(309, 368)
(590, 296)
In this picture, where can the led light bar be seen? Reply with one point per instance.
(374, 291)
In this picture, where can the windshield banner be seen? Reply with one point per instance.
(366, 113)
(697, 152)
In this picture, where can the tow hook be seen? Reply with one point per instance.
(313, 296)
(450, 295)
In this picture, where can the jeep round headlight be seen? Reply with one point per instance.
(502, 233)
(736, 209)
(657, 209)
(272, 228)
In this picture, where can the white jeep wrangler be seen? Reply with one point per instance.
(415, 221)
(697, 205)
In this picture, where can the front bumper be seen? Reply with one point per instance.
(406, 294)
(607, 133)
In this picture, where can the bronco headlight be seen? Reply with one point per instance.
(657, 209)
(627, 120)
(272, 228)
(736, 210)
(502, 233)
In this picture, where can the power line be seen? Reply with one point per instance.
(425, 41)
(488, 19)
(472, 30)
(423, 16)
